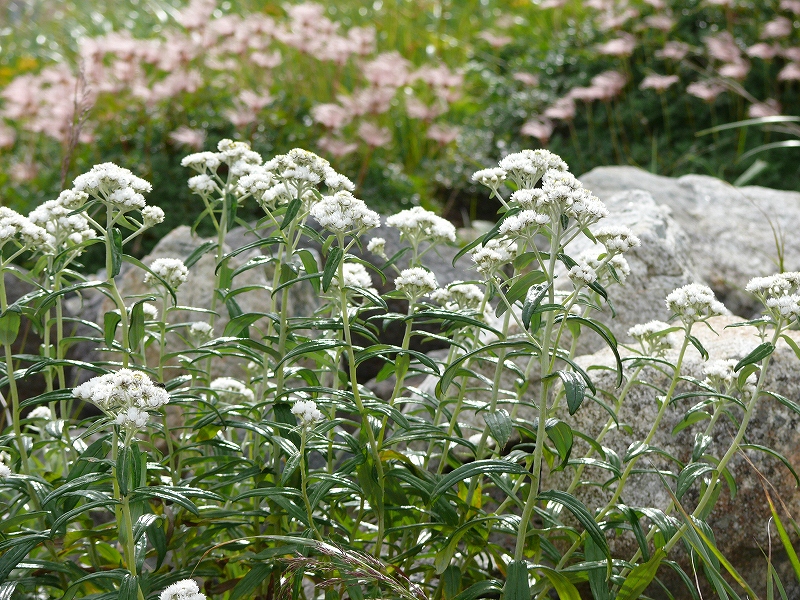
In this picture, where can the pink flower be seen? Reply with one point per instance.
(792, 54)
(673, 51)
(494, 40)
(728, 3)
(336, 147)
(254, 101)
(763, 51)
(735, 70)
(331, 116)
(657, 4)
(768, 108)
(373, 135)
(612, 21)
(373, 100)
(387, 70)
(562, 109)
(621, 46)
(660, 22)
(266, 61)
(362, 40)
(526, 78)
(417, 109)
(23, 172)
(194, 138)
(779, 27)
(705, 90)
(658, 83)
(541, 129)
(7, 136)
(587, 94)
(722, 47)
(553, 4)
(790, 72)
(791, 5)
(197, 14)
(611, 82)
(241, 116)
(444, 134)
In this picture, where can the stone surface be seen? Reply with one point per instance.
(728, 228)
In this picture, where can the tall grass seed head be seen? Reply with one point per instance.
(419, 224)
(694, 302)
(186, 589)
(171, 270)
(343, 213)
(416, 282)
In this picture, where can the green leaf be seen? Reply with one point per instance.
(605, 333)
(291, 212)
(239, 326)
(331, 267)
(517, 586)
(530, 305)
(17, 551)
(248, 584)
(482, 589)
(560, 583)
(597, 579)
(309, 347)
(9, 326)
(129, 588)
(500, 425)
(198, 252)
(451, 578)
(574, 386)
(479, 467)
(561, 435)
(116, 252)
(699, 346)
(577, 508)
(136, 326)
(110, 321)
(784, 536)
(640, 577)
(761, 351)
(688, 476)
(519, 289)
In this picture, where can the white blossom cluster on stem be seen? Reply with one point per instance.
(13, 226)
(231, 390)
(307, 412)
(416, 282)
(418, 224)
(779, 294)
(342, 213)
(171, 270)
(355, 276)
(694, 302)
(459, 296)
(493, 255)
(651, 336)
(65, 227)
(186, 589)
(125, 395)
(114, 185)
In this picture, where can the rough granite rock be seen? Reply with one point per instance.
(729, 232)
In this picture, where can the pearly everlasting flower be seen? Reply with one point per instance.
(202, 161)
(186, 589)
(13, 226)
(527, 167)
(720, 374)
(152, 215)
(343, 213)
(417, 224)
(530, 199)
(202, 185)
(5, 472)
(40, 413)
(582, 274)
(125, 395)
(150, 311)
(492, 178)
(786, 307)
(459, 296)
(614, 270)
(694, 302)
(64, 227)
(72, 199)
(233, 152)
(643, 330)
(231, 390)
(776, 285)
(307, 412)
(525, 223)
(115, 185)
(493, 255)
(416, 282)
(651, 336)
(171, 270)
(377, 246)
(200, 332)
(337, 182)
(356, 276)
(617, 239)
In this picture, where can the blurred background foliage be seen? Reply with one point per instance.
(440, 89)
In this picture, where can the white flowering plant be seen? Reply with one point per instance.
(293, 450)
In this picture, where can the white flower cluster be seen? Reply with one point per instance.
(694, 302)
(720, 374)
(492, 178)
(204, 185)
(13, 226)
(202, 161)
(563, 194)
(200, 332)
(125, 395)
(355, 275)
(493, 255)
(231, 390)
(64, 226)
(526, 168)
(40, 413)
(377, 246)
(171, 270)
(651, 336)
(115, 185)
(525, 223)
(5, 471)
(186, 589)
(152, 215)
(150, 311)
(307, 412)
(343, 213)
(416, 282)
(779, 293)
(417, 225)
(459, 296)
(582, 274)
(616, 238)
(617, 262)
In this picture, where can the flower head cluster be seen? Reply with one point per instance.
(779, 294)
(115, 185)
(526, 168)
(231, 390)
(200, 332)
(565, 195)
(40, 413)
(582, 274)
(125, 395)
(5, 471)
(152, 215)
(651, 336)
(525, 223)
(171, 270)
(459, 296)
(65, 228)
(186, 589)
(343, 213)
(307, 412)
(492, 178)
(377, 246)
(720, 374)
(493, 255)
(355, 276)
(416, 282)
(694, 302)
(614, 270)
(417, 225)
(617, 239)
(13, 226)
